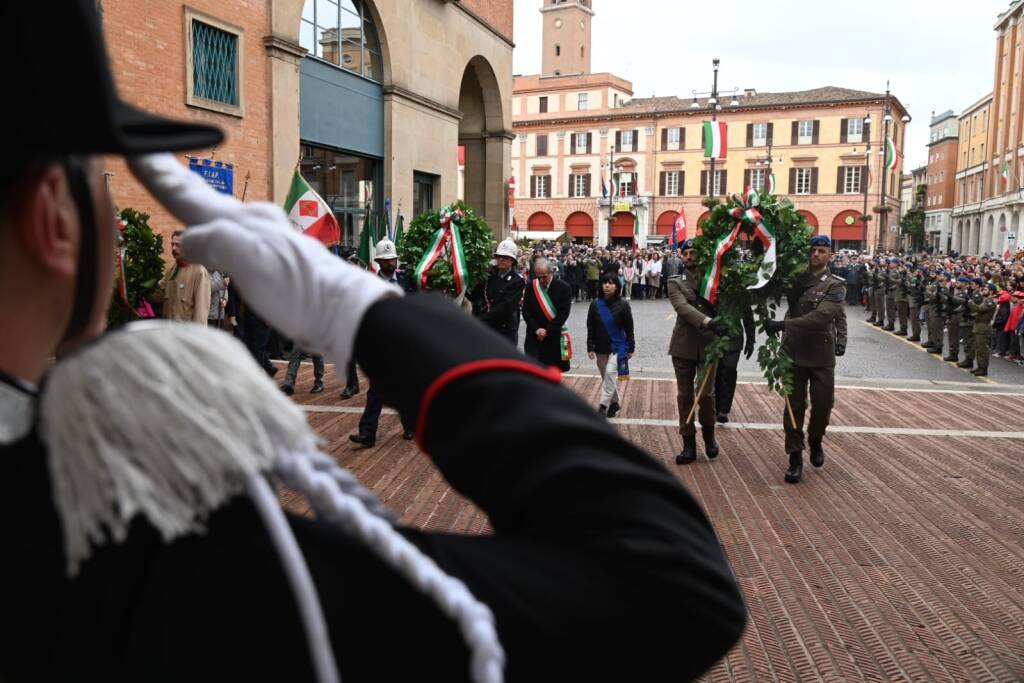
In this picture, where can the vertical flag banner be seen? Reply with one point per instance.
(604, 187)
(636, 230)
(399, 231)
(1005, 174)
(309, 213)
(390, 230)
(679, 228)
(771, 182)
(716, 139)
(892, 156)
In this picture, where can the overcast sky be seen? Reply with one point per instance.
(937, 54)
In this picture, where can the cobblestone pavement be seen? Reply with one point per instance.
(901, 560)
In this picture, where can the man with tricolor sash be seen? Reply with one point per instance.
(546, 308)
(695, 328)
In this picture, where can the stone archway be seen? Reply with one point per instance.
(985, 244)
(972, 243)
(999, 236)
(957, 235)
(483, 136)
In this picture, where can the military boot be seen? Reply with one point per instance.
(710, 445)
(890, 328)
(966, 364)
(796, 467)
(689, 453)
(817, 452)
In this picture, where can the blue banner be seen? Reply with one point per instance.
(219, 175)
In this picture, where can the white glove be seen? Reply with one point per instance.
(291, 280)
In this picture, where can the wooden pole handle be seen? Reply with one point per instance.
(700, 392)
(789, 409)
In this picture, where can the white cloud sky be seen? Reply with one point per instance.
(938, 55)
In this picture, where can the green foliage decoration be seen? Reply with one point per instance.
(477, 245)
(143, 264)
(740, 266)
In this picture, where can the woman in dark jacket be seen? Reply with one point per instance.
(610, 311)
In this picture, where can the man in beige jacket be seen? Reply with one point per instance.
(185, 288)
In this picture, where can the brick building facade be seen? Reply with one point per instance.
(943, 145)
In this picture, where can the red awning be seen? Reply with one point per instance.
(665, 223)
(580, 224)
(848, 227)
(540, 221)
(622, 224)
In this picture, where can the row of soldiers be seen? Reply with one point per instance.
(898, 291)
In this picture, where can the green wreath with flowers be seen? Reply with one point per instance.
(740, 240)
(477, 247)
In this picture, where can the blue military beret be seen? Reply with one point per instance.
(687, 244)
(991, 286)
(820, 241)
(923, 269)
(963, 279)
(977, 281)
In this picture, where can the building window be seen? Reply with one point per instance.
(542, 145)
(581, 102)
(627, 141)
(615, 100)
(803, 180)
(757, 178)
(760, 136)
(672, 183)
(579, 143)
(542, 104)
(626, 184)
(851, 184)
(716, 184)
(343, 34)
(214, 67)
(346, 182)
(542, 186)
(423, 185)
(579, 185)
(558, 50)
(854, 130)
(805, 132)
(672, 138)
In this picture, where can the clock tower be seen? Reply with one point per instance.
(566, 37)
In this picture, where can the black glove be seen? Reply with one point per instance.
(748, 350)
(719, 328)
(840, 350)
(774, 326)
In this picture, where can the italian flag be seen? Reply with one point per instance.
(636, 231)
(1005, 173)
(771, 183)
(715, 139)
(709, 283)
(309, 213)
(892, 156)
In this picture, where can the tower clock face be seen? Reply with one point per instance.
(558, 23)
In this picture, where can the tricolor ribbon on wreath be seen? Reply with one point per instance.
(446, 241)
(548, 309)
(744, 211)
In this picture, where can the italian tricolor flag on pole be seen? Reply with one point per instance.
(309, 214)
(715, 139)
(1005, 173)
(636, 231)
(892, 156)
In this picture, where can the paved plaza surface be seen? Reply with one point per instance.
(902, 559)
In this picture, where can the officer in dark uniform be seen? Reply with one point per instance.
(496, 301)
(813, 333)
(595, 545)
(695, 328)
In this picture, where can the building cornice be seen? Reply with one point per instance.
(948, 138)
(563, 7)
(393, 91)
(283, 47)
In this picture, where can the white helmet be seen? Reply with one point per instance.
(507, 248)
(385, 250)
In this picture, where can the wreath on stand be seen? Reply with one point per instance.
(448, 250)
(751, 252)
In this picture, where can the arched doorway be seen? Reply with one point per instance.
(957, 235)
(482, 135)
(999, 237)
(985, 245)
(975, 236)
(540, 221)
(699, 230)
(666, 221)
(580, 227)
(811, 219)
(623, 224)
(848, 230)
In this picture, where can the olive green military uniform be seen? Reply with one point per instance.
(891, 284)
(690, 338)
(902, 304)
(955, 307)
(934, 315)
(967, 323)
(869, 279)
(984, 309)
(879, 282)
(815, 325)
(915, 299)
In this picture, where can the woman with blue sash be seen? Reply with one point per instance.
(610, 338)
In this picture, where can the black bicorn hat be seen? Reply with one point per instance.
(56, 64)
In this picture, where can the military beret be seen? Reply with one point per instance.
(977, 281)
(991, 286)
(963, 279)
(820, 241)
(687, 244)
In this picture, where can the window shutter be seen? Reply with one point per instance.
(618, 140)
(703, 136)
(842, 130)
(750, 135)
(682, 184)
(703, 183)
(795, 133)
(586, 185)
(814, 132)
(636, 140)
(551, 188)
(590, 142)
(814, 180)
(682, 138)
(840, 179)
(572, 185)
(533, 186)
(867, 132)
(661, 183)
(771, 133)
(792, 181)
(723, 188)
(746, 179)
(664, 138)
